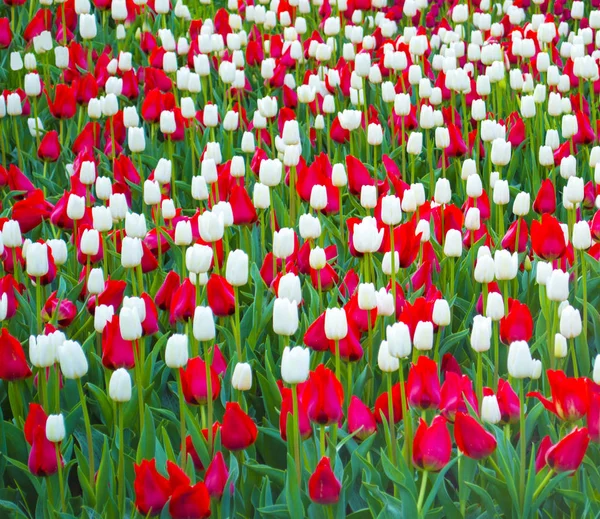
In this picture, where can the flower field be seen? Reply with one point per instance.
(299, 258)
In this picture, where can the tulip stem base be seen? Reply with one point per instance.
(422, 491)
(544, 482)
(296, 424)
(181, 419)
(61, 483)
(522, 440)
(121, 475)
(392, 446)
(88, 432)
(209, 398)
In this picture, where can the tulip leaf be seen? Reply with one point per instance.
(293, 497)
(278, 476)
(103, 402)
(105, 481)
(436, 486)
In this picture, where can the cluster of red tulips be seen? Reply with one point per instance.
(299, 258)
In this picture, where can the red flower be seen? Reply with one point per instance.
(545, 201)
(183, 302)
(508, 401)
(518, 324)
(324, 396)
(287, 408)
(193, 382)
(10, 287)
(216, 476)
(190, 502)
(568, 453)
(116, 351)
(49, 149)
(18, 181)
(242, 206)
(455, 390)
(547, 238)
(165, 293)
(112, 295)
(63, 309)
(151, 488)
(64, 105)
(42, 457)
(361, 421)
(432, 445)
(570, 396)
(423, 384)
(31, 211)
(510, 238)
(238, 430)
(471, 438)
(13, 364)
(323, 487)
(381, 405)
(5, 33)
(540, 458)
(220, 295)
(35, 418)
(593, 417)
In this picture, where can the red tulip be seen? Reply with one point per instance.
(64, 310)
(150, 323)
(35, 418)
(518, 324)
(545, 201)
(19, 181)
(568, 453)
(183, 302)
(540, 458)
(31, 211)
(323, 487)
(287, 408)
(593, 417)
(112, 295)
(193, 382)
(238, 430)
(166, 292)
(432, 445)
(10, 287)
(220, 295)
(242, 207)
(381, 411)
(455, 390)
(216, 476)
(423, 384)
(151, 488)
(471, 438)
(190, 502)
(42, 457)
(324, 396)
(508, 401)
(116, 351)
(13, 364)
(361, 421)
(5, 33)
(547, 238)
(570, 396)
(49, 149)
(64, 105)
(510, 238)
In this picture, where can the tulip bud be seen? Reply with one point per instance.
(55, 428)
(317, 258)
(42, 351)
(318, 197)
(198, 258)
(236, 271)
(570, 322)
(36, 260)
(557, 287)
(101, 218)
(295, 365)
(270, 172)
(385, 361)
(386, 264)
(423, 337)
(211, 226)
(183, 233)
(582, 238)
(135, 225)
(73, 363)
(242, 377)
(441, 313)
(391, 212)
(561, 349)
(11, 234)
(338, 175)
(283, 243)
(285, 317)
(199, 188)
(443, 191)
(521, 204)
(176, 351)
(481, 333)
(75, 207)
(152, 194)
(119, 387)
(490, 410)
(484, 269)
(520, 364)
(336, 324)
(95, 284)
(204, 324)
(367, 296)
(102, 315)
(261, 197)
(90, 242)
(59, 251)
(130, 324)
(385, 303)
(367, 237)
(453, 244)
(505, 265)
(310, 227)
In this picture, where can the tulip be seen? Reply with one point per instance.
(490, 409)
(204, 324)
(323, 486)
(295, 365)
(242, 377)
(361, 422)
(570, 399)
(432, 445)
(471, 438)
(238, 430)
(152, 490)
(423, 384)
(568, 453)
(119, 388)
(216, 476)
(285, 317)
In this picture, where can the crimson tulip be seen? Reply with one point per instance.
(287, 409)
(13, 364)
(116, 351)
(151, 488)
(432, 445)
(324, 396)
(221, 297)
(570, 396)
(216, 476)
(545, 201)
(547, 238)
(361, 421)
(238, 430)
(471, 438)
(568, 453)
(166, 292)
(518, 324)
(323, 486)
(194, 383)
(455, 392)
(381, 410)
(423, 384)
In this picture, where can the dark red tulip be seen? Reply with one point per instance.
(324, 396)
(510, 238)
(545, 201)
(568, 453)
(323, 487)
(547, 238)
(381, 411)
(216, 476)
(31, 211)
(238, 430)
(455, 391)
(63, 310)
(518, 324)
(150, 323)
(471, 438)
(49, 149)
(432, 445)
(423, 384)
(183, 302)
(570, 396)
(193, 382)
(13, 364)
(19, 181)
(151, 488)
(5, 33)
(64, 105)
(242, 207)
(165, 293)
(35, 418)
(190, 502)
(116, 351)
(361, 421)
(220, 295)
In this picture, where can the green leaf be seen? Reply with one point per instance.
(293, 495)
(436, 486)
(145, 449)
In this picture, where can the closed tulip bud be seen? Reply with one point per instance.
(283, 243)
(167, 122)
(521, 204)
(570, 322)
(561, 349)
(13, 105)
(441, 313)
(237, 268)
(501, 195)
(94, 109)
(291, 133)
(386, 362)
(176, 351)
(59, 251)
(367, 296)
(374, 134)
(415, 143)
(336, 324)
(442, 138)
(102, 315)
(386, 264)
(32, 84)
(484, 269)
(557, 287)
(131, 252)
(199, 188)
(481, 333)
(42, 351)
(295, 365)
(289, 287)
(519, 362)
(472, 219)
(270, 172)
(495, 306)
(501, 152)
(110, 105)
(391, 211)
(211, 226)
(247, 144)
(453, 244)
(87, 26)
(398, 338)
(505, 265)
(242, 377)
(95, 284)
(367, 237)
(474, 187)
(582, 238)
(75, 207)
(73, 363)
(385, 303)
(368, 196)
(338, 175)
(90, 242)
(101, 218)
(119, 387)
(317, 258)
(55, 428)
(318, 197)
(183, 233)
(285, 317)
(536, 369)
(11, 234)
(198, 258)
(130, 324)
(261, 196)
(543, 271)
(36, 260)
(204, 324)
(310, 227)
(443, 191)
(490, 410)
(423, 338)
(136, 139)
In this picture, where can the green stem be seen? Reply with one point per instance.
(61, 483)
(544, 482)
(88, 432)
(238, 330)
(522, 443)
(422, 492)
(295, 421)
(121, 477)
(209, 399)
(181, 419)
(406, 418)
(392, 445)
